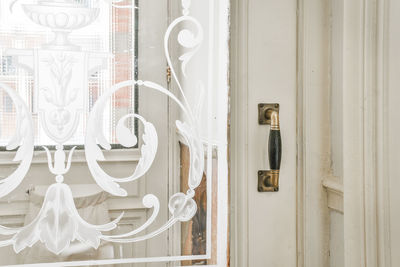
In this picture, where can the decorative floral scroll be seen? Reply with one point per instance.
(58, 222)
(125, 137)
(23, 139)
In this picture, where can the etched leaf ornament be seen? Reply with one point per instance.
(93, 152)
(181, 206)
(196, 154)
(188, 39)
(23, 137)
(57, 225)
(149, 201)
(124, 135)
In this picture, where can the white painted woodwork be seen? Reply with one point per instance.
(265, 73)
(313, 113)
(334, 191)
(263, 31)
(272, 79)
(239, 133)
(391, 129)
(347, 99)
(336, 240)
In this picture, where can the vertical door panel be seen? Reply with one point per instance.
(272, 79)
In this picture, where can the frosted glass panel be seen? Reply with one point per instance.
(113, 132)
(111, 36)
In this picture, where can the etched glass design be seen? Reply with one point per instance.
(110, 35)
(69, 76)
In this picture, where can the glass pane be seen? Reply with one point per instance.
(128, 101)
(110, 39)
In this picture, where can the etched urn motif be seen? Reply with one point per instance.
(62, 16)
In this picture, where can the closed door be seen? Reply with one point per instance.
(332, 66)
(267, 74)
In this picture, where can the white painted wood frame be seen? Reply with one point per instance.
(363, 69)
(360, 189)
(239, 112)
(313, 132)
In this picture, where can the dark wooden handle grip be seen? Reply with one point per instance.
(275, 149)
(275, 143)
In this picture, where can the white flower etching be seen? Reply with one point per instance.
(57, 224)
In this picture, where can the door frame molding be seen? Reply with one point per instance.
(365, 126)
(313, 132)
(382, 144)
(238, 133)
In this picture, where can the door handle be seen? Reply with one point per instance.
(268, 180)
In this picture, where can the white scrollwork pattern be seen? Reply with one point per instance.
(24, 135)
(58, 222)
(125, 137)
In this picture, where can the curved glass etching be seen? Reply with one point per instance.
(62, 69)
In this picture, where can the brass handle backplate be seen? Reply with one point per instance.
(268, 180)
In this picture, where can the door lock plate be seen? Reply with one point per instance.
(268, 181)
(265, 111)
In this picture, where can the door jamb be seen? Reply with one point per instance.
(238, 139)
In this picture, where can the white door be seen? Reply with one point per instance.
(267, 220)
(332, 66)
(272, 79)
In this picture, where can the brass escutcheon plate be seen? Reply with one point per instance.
(268, 181)
(264, 112)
